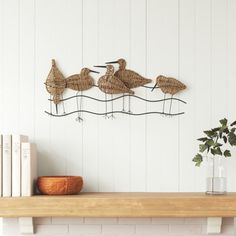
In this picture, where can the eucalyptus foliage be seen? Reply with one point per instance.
(216, 140)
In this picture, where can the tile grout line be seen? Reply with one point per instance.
(227, 56)
(130, 57)
(82, 63)
(211, 56)
(146, 58)
(34, 73)
(194, 73)
(97, 122)
(98, 54)
(19, 51)
(178, 103)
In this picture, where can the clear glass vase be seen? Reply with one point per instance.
(216, 175)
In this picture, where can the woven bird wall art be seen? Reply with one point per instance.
(80, 82)
(118, 84)
(55, 84)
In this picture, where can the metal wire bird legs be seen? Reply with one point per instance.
(63, 105)
(106, 115)
(129, 111)
(50, 103)
(129, 103)
(112, 114)
(79, 107)
(170, 104)
(163, 107)
(56, 105)
(123, 103)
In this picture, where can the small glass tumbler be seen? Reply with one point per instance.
(216, 183)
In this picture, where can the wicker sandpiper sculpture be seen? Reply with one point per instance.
(130, 78)
(79, 83)
(111, 84)
(55, 84)
(168, 85)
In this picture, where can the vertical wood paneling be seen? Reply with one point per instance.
(138, 124)
(1, 65)
(203, 81)
(53, 42)
(48, 30)
(72, 58)
(193, 41)
(162, 132)
(121, 124)
(42, 66)
(27, 67)
(11, 65)
(231, 56)
(187, 51)
(219, 61)
(90, 124)
(107, 146)
(231, 72)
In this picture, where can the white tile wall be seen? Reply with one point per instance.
(109, 220)
(67, 220)
(185, 229)
(118, 226)
(85, 229)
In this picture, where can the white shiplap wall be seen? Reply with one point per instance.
(193, 40)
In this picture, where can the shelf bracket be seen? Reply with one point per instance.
(26, 225)
(214, 225)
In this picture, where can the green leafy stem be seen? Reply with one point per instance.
(215, 140)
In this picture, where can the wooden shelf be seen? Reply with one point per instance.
(121, 205)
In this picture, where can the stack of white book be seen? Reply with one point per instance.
(18, 170)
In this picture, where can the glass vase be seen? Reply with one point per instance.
(216, 175)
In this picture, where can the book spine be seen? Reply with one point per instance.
(28, 169)
(6, 166)
(16, 163)
(1, 165)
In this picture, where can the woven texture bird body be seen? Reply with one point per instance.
(110, 84)
(169, 85)
(80, 82)
(55, 83)
(130, 78)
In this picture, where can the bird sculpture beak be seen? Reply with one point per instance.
(154, 86)
(101, 66)
(93, 71)
(111, 62)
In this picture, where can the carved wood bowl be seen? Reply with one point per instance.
(60, 185)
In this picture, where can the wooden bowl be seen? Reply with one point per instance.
(60, 185)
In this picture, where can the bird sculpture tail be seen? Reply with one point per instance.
(148, 81)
